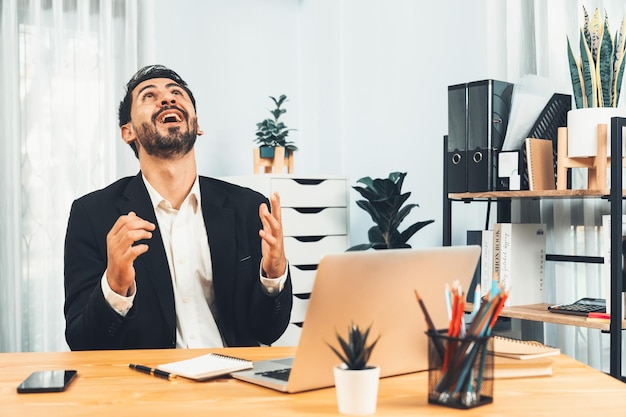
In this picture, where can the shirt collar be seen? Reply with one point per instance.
(193, 198)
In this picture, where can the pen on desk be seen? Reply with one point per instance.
(152, 371)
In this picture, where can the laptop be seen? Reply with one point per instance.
(374, 288)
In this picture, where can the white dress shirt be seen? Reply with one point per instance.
(189, 257)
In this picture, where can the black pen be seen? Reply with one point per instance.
(152, 371)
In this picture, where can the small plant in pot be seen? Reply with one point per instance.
(596, 82)
(356, 382)
(384, 202)
(272, 132)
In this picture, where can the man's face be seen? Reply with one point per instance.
(163, 119)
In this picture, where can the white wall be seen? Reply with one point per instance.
(366, 81)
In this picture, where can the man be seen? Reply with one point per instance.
(168, 258)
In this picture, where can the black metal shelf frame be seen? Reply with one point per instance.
(615, 198)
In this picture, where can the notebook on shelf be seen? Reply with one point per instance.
(522, 349)
(370, 288)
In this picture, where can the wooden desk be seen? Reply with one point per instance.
(107, 387)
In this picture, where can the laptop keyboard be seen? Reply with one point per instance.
(281, 374)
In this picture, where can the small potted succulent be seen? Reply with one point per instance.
(356, 382)
(272, 133)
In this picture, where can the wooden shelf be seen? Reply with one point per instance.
(532, 194)
(539, 312)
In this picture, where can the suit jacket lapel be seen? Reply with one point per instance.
(151, 268)
(220, 227)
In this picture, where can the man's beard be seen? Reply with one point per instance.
(172, 146)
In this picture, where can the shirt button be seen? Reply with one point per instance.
(186, 300)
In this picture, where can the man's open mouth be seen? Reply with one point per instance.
(170, 116)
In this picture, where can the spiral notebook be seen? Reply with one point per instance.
(522, 349)
(206, 366)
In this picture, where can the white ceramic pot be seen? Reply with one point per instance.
(582, 125)
(357, 391)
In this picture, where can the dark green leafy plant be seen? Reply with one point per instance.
(272, 132)
(383, 201)
(597, 76)
(355, 353)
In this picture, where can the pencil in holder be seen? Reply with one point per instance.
(460, 375)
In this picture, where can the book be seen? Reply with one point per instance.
(486, 262)
(522, 255)
(522, 349)
(206, 366)
(540, 164)
(505, 368)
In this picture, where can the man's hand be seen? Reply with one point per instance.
(121, 253)
(274, 260)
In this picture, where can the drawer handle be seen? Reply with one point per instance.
(308, 239)
(303, 181)
(311, 267)
(308, 210)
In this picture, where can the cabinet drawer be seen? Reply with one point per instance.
(302, 278)
(306, 251)
(300, 192)
(314, 222)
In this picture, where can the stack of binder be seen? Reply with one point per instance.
(478, 116)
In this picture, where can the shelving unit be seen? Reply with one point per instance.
(615, 196)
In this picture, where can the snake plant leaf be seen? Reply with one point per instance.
(604, 68)
(617, 83)
(574, 69)
(595, 28)
(619, 51)
(588, 72)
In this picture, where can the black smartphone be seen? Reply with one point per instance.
(47, 381)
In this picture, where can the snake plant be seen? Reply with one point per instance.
(597, 76)
(383, 201)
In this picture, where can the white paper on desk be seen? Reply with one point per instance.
(530, 95)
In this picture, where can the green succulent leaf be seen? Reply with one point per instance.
(354, 353)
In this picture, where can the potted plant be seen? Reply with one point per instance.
(356, 382)
(384, 203)
(272, 133)
(596, 82)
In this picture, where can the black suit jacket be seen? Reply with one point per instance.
(246, 315)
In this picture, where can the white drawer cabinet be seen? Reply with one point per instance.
(315, 223)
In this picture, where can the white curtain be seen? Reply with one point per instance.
(63, 65)
(535, 34)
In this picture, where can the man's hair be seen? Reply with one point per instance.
(147, 73)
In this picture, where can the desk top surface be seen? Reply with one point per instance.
(106, 386)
